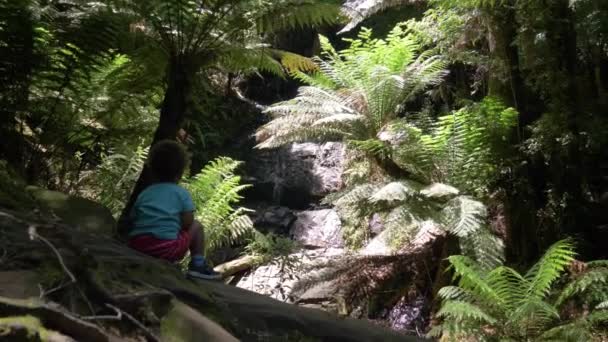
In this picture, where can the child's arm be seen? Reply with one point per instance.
(187, 219)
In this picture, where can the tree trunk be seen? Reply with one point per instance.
(505, 82)
(172, 114)
(16, 62)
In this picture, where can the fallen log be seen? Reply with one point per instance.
(241, 264)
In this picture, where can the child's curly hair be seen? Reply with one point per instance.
(167, 160)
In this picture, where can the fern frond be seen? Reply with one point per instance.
(294, 63)
(454, 293)
(549, 268)
(288, 14)
(602, 306)
(470, 277)
(536, 313)
(394, 192)
(587, 281)
(463, 311)
(355, 92)
(215, 192)
(485, 247)
(464, 216)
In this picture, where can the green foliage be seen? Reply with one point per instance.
(354, 212)
(355, 92)
(501, 304)
(12, 189)
(227, 34)
(79, 95)
(405, 212)
(116, 175)
(267, 247)
(466, 148)
(215, 191)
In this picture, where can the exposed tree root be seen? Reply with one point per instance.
(55, 317)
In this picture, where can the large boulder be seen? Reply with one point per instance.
(318, 228)
(296, 174)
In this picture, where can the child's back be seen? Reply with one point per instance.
(163, 214)
(158, 210)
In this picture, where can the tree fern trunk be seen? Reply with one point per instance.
(172, 114)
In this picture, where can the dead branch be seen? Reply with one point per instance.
(235, 266)
(116, 317)
(149, 335)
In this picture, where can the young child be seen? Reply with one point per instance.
(163, 214)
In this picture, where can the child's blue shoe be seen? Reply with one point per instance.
(203, 272)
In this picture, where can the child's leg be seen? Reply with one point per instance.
(198, 266)
(197, 238)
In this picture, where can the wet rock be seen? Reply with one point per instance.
(278, 278)
(408, 315)
(318, 228)
(274, 219)
(297, 174)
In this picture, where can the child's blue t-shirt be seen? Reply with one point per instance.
(158, 209)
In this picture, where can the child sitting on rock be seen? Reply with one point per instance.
(162, 217)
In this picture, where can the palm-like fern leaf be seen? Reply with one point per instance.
(461, 311)
(215, 191)
(521, 305)
(354, 93)
(549, 268)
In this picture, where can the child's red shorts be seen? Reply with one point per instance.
(171, 250)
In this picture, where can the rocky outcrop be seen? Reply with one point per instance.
(379, 284)
(296, 174)
(318, 229)
(277, 278)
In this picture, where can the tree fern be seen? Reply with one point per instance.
(215, 191)
(502, 304)
(465, 148)
(354, 92)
